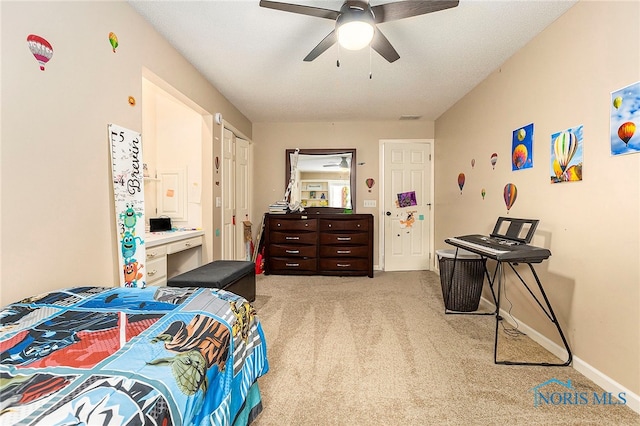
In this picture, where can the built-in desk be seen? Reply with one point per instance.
(171, 253)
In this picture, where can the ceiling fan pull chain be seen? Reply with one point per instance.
(370, 71)
(338, 60)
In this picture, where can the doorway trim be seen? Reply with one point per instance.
(381, 192)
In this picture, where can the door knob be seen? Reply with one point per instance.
(388, 213)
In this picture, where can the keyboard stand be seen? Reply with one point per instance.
(546, 308)
(548, 311)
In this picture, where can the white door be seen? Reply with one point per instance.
(406, 200)
(241, 196)
(228, 195)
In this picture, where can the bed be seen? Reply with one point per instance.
(130, 356)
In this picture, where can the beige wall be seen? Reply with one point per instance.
(271, 140)
(563, 78)
(57, 224)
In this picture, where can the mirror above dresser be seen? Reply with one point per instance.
(324, 180)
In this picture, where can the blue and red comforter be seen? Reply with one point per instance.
(128, 356)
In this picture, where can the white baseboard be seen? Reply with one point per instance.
(591, 373)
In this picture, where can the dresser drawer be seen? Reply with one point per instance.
(278, 224)
(293, 237)
(277, 264)
(344, 265)
(184, 245)
(156, 269)
(344, 251)
(344, 238)
(289, 250)
(343, 225)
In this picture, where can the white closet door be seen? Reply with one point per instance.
(241, 195)
(228, 195)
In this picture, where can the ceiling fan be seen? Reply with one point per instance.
(357, 20)
(342, 164)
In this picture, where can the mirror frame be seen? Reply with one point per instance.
(325, 151)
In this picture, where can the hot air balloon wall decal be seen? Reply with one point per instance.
(40, 48)
(461, 179)
(625, 120)
(113, 40)
(510, 194)
(494, 160)
(522, 148)
(370, 182)
(566, 155)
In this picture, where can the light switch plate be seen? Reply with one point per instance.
(369, 203)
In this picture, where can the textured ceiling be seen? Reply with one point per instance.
(253, 56)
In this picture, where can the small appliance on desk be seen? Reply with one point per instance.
(159, 224)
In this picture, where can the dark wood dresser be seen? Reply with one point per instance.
(319, 244)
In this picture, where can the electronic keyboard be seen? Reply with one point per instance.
(500, 249)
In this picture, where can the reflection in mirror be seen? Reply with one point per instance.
(323, 179)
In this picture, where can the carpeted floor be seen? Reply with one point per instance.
(381, 351)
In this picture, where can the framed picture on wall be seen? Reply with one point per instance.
(625, 120)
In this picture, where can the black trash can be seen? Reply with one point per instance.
(462, 294)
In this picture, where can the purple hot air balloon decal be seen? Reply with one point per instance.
(510, 195)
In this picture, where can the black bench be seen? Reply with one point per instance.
(236, 276)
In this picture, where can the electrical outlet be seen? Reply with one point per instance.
(369, 203)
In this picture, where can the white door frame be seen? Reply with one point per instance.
(381, 192)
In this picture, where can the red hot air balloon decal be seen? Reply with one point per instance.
(510, 195)
(626, 131)
(494, 160)
(370, 182)
(40, 48)
(461, 180)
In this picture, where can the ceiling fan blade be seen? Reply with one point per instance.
(326, 43)
(406, 9)
(383, 46)
(302, 10)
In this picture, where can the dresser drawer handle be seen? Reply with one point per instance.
(151, 273)
(343, 265)
(292, 265)
(329, 225)
(344, 238)
(151, 254)
(343, 251)
(293, 251)
(187, 244)
(291, 238)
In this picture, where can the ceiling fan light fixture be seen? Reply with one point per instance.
(355, 35)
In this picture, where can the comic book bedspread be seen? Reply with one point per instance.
(128, 356)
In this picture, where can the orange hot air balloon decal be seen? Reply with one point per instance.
(494, 160)
(626, 131)
(520, 155)
(40, 48)
(461, 180)
(510, 195)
